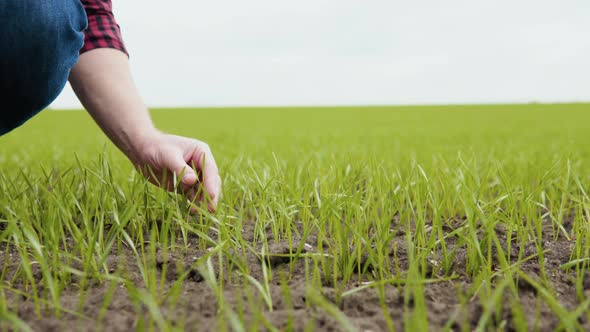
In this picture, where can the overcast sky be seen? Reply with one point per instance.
(316, 52)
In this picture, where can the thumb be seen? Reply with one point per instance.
(189, 178)
(177, 165)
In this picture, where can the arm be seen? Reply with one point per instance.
(103, 83)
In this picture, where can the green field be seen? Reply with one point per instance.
(362, 218)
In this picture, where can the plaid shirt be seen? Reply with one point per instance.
(103, 31)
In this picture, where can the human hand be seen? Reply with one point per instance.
(102, 80)
(162, 157)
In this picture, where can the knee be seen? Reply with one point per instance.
(55, 33)
(57, 37)
(43, 39)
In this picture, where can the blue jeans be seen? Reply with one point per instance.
(39, 44)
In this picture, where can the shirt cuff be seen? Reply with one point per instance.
(102, 32)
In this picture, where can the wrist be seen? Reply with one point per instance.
(139, 143)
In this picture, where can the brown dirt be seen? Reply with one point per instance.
(197, 306)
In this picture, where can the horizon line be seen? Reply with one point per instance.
(345, 105)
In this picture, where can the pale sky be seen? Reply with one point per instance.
(344, 52)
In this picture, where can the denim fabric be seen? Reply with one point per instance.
(39, 45)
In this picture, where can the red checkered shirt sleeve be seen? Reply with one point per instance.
(103, 30)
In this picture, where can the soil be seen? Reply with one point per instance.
(366, 309)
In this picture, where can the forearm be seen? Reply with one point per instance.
(102, 81)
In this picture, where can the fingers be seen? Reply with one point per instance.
(172, 157)
(210, 177)
(203, 185)
(175, 163)
(197, 198)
